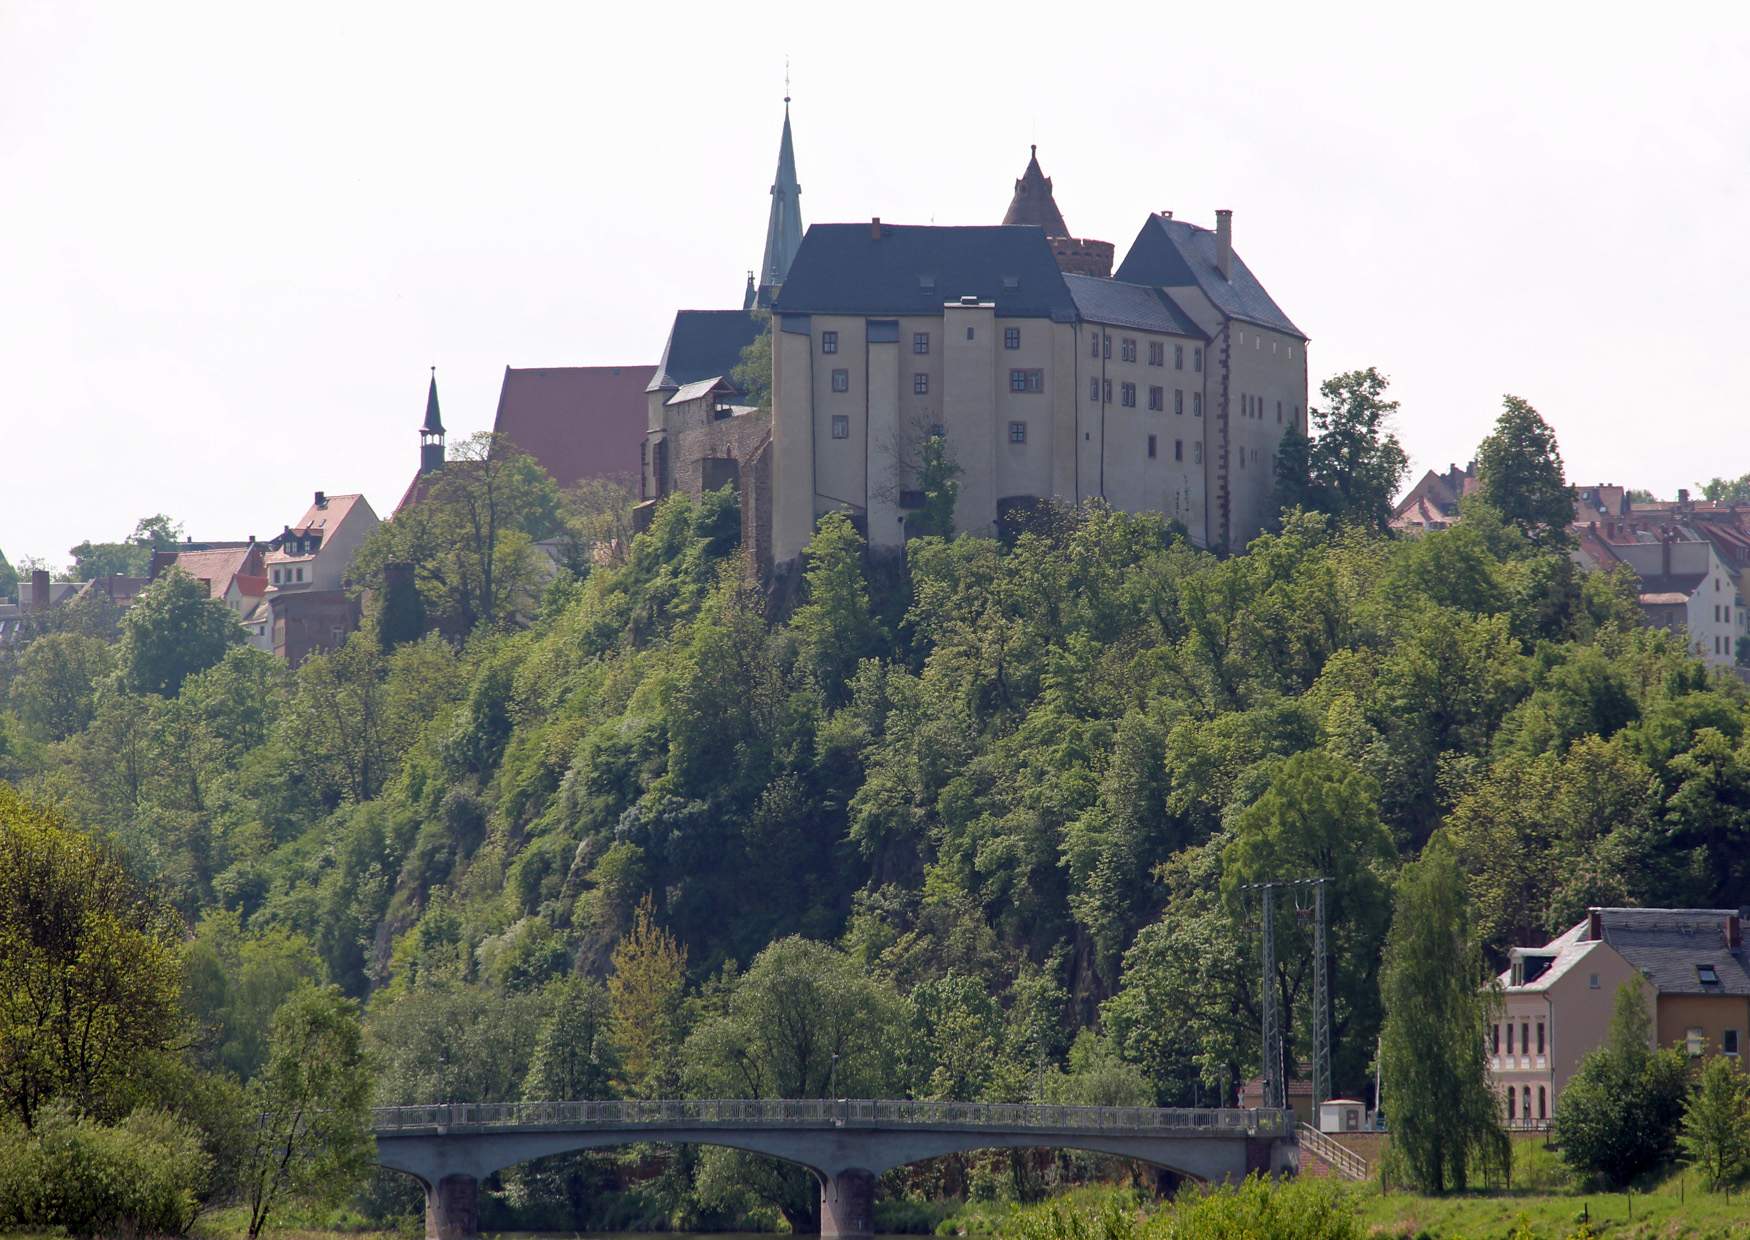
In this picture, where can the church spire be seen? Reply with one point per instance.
(431, 432)
(1033, 203)
(784, 228)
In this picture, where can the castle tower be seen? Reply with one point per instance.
(1034, 206)
(784, 227)
(431, 433)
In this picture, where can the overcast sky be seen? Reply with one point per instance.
(234, 237)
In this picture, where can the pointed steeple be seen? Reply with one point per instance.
(784, 228)
(431, 433)
(1033, 203)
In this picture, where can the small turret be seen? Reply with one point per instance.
(431, 433)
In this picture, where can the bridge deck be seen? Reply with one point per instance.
(851, 1113)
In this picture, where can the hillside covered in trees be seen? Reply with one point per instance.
(970, 825)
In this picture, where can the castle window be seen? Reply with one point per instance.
(1178, 357)
(829, 342)
(1197, 404)
(1179, 401)
(1017, 432)
(938, 431)
(1151, 447)
(1093, 389)
(1128, 394)
(1178, 449)
(1279, 413)
(970, 335)
(920, 384)
(1127, 349)
(1094, 344)
(1196, 452)
(911, 499)
(841, 426)
(1157, 399)
(1242, 338)
(1157, 353)
(920, 342)
(1105, 345)
(1011, 337)
(1106, 391)
(1026, 381)
(841, 380)
(1197, 358)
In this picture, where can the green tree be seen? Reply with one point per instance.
(1520, 475)
(313, 1140)
(1444, 1116)
(90, 972)
(236, 982)
(1716, 1122)
(572, 1059)
(645, 993)
(753, 370)
(937, 479)
(400, 612)
(131, 557)
(172, 631)
(1354, 465)
(834, 628)
(55, 688)
(8, 578)
(1726, 490)
(1621, 1110)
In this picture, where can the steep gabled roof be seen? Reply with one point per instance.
(577, 421)
(895, 269)
(216, 567)
(1137, 306)
(703, 343)
(1175, 254)
(1670, 945)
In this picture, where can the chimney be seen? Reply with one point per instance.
(1682, 495)
(321, 499)
(1734, 932)
(1594, 925)
(39, 590)
(1166, 215)
(1224, 243)
(875, 228)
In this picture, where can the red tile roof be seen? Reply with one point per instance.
(216, 567)
(577, 421)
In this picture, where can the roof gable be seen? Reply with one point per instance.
(577, 421)
(704, 343)
(914, 269)
(1175, 254)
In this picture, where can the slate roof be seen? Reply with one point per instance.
(1174, 253)
(1137, 306)
(1568, 950)
(694, 391)
(577, 421)
(915, 269)
(1667, 945)
(1680, 585)
(703, 343)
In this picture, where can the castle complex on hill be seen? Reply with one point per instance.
(1162, 386)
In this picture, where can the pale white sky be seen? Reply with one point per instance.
(233, 237)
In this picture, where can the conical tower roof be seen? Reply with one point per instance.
(1033, 203)
(784, 228)
(434, 422)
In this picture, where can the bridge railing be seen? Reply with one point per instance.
(839, 1112)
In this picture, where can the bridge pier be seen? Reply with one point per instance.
(452, 1208)
(847, 1205)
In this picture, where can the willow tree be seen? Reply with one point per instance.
(1444, 1117)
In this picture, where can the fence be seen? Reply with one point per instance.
(841, 1112)
(1344, 1161)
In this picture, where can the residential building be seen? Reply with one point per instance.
(231, 571)
(1557, 999)
(1432, 504)
(1684, 583)
(38, 595)
(307, 609)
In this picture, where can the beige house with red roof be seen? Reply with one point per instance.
(306, 609)
(230, 570)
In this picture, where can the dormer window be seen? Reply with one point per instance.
(1709, 975)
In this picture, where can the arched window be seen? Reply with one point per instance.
(1512, 1100)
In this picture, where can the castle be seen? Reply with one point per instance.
(1164, 386)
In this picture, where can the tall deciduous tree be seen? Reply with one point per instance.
(1520, 475)
(173, 630)
(834, 628)
(645, 993)
(572, 1059)
(1721, 490)
(55, 689)
(1444, 1116)
(90, 975)
(1354, 464)
(312, 1140)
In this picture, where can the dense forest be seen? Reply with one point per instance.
(970, 824)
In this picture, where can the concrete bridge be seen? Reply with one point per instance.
(846, 1143)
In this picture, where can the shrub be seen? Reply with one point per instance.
(142, 1176)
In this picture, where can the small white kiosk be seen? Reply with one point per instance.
(1342, 1115)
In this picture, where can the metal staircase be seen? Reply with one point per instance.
(1338, 1157)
